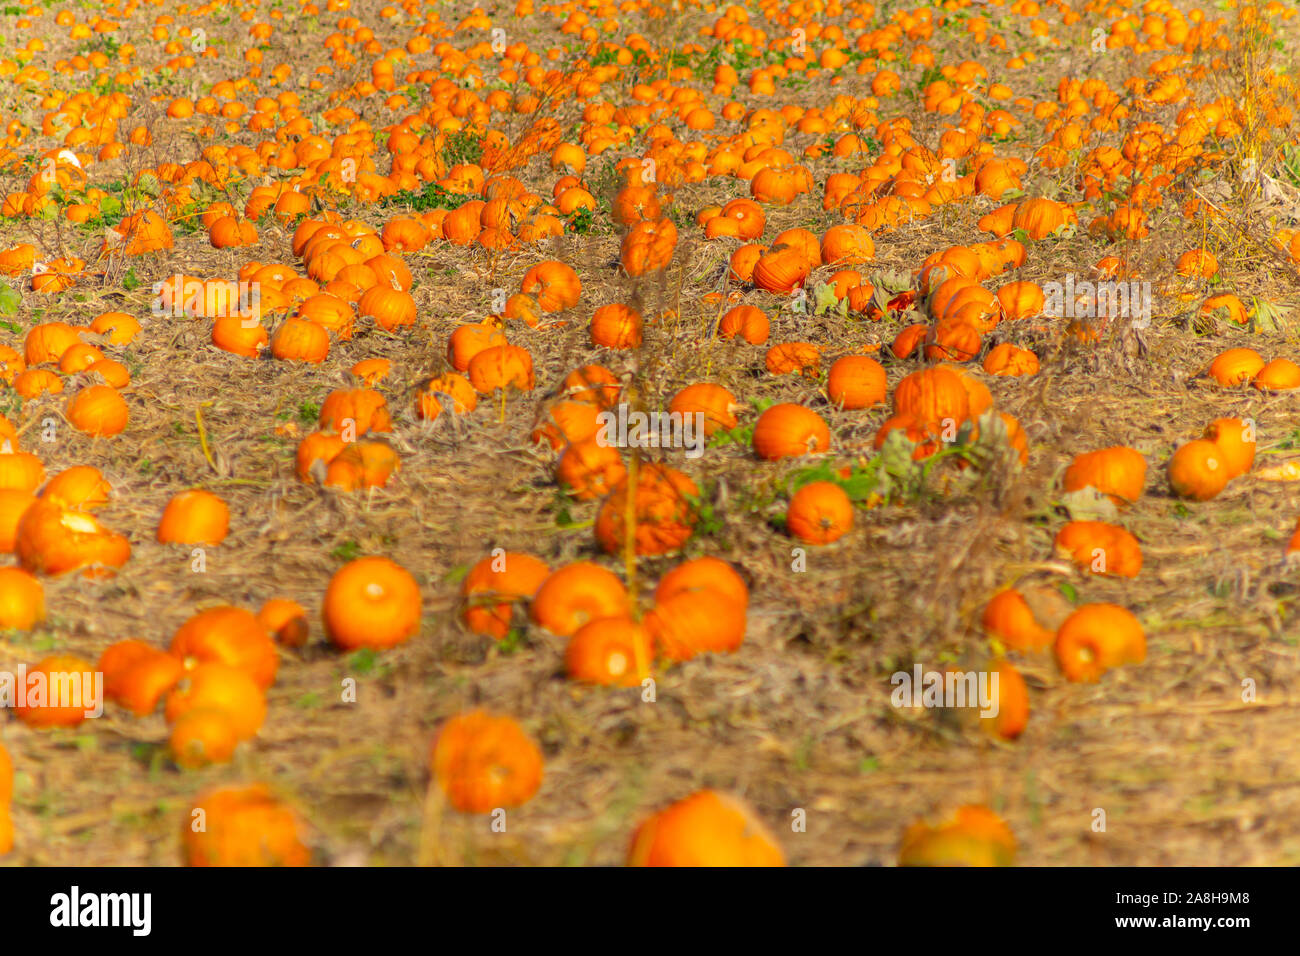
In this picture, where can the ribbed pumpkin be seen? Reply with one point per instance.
(390, 308)
(932, 395)
(1118, 472)
(298, 340)
(781, 271)
(788, 431)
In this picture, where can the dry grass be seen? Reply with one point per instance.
(800, 717)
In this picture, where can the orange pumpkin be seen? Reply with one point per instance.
(1117, 472)
(243, 826)
(665, 505)
(42, 708)
(614, 651)
(371, 602)
(789, 431)
(705, 829)
(819, 513)
(97, 410)
(1096, 638)
(495, 585)
(483, 762)
(231, 636)
(194, 517)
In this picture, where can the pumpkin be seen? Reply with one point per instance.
(781, 271)
(1021, 300)
(6, 777)
(614, 651)
(704, 574)
(705, 829)
(48, 341)
(22, 600)
(1100, 548)
(483, 762)
(978, 397)
(228, 232)
(1012, 703)
(694, 620)
(1197, 263)
(495, 585)
(97, 410)
(468, 340)
(1096, 638)
(1236, 441)
(231, 333)
(357, 410)
(803, 242)
(1008, 618)
(19, 470)
(231, 636)
(300, 340)
(12, 364)
(78, 358)
(318, 446)
(37, 381)
(202, 736)
(13, 504)
(1279, 375)
(1197, 470)
(145, 679)
(244, 826)
(616, 326)
(405, 235)
(54, 540)
(589, 469)
(194, 517)
(111, 372)
(856, 381)
(747, 321)
(820, 512)
(390, 308)
(143, 232)
(847, 244)
(1041, 218)
(555, 286)
(372, 371)
(575, 594)
(450, 387)
(933, 396)
(744, 260)
(907, 341)
(1227, 307)
(789, 431)
(591, 383)
(330, 312)
(716, 403)
(1236, 367)
(648, 247)
(973, 836)
(501, 366)
(120, 657)
(364, 464)
(284, 620)
(953, 340)
(1117, 472)
(749, 216)
(371, 602)
(633, 204)
(1011, 360)
(665, 505)
(60, 670)
(562, 423)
